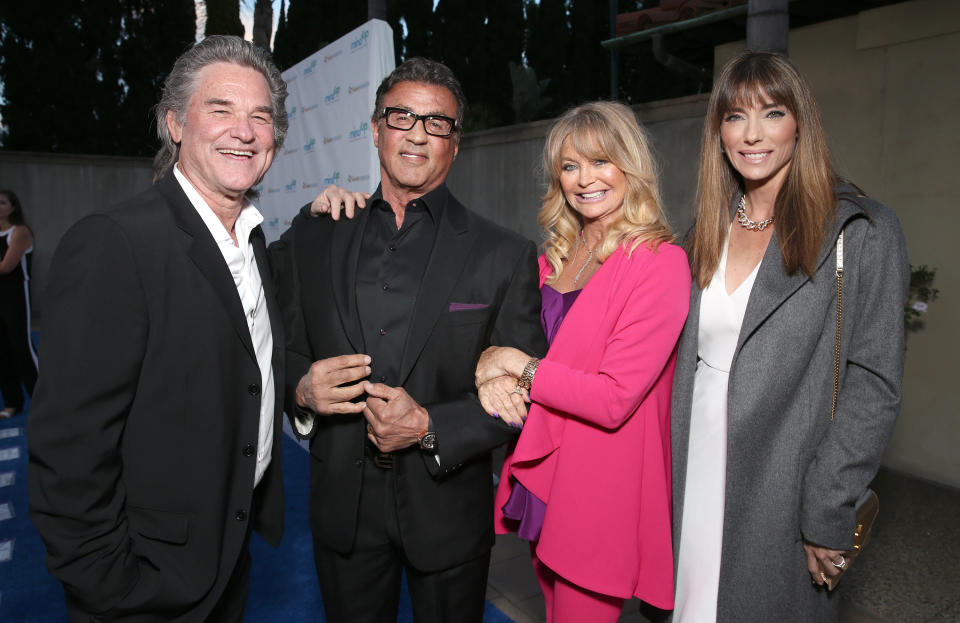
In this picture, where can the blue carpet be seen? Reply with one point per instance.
(283, 584)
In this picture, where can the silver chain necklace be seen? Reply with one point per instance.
(589, 257)
(745, 222)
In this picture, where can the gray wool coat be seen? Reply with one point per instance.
(791, 472)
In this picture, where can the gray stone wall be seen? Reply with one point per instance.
(57, 190)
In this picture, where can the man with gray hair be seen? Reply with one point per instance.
(154, 435)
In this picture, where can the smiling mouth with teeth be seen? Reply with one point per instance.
(756, 157)
(235, 152)
(593, 195)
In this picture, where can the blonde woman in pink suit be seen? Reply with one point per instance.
(588, 482)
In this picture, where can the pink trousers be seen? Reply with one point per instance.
(568, 603)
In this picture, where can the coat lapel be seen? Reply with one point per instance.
(345, 253)
(450, 251)
(773, 285)
(206, 256)
(273, 311)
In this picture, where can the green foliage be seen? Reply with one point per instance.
(417, 17)
(547, 49)
(81, 77)
(309, 25)
(223, 18)
(528, 92)
(921, 293)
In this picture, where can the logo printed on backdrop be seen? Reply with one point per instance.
(360, 132)
(360, 42)
(330, 98)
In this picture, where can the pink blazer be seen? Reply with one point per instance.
(596, 444)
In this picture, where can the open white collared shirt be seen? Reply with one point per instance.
(246, 275)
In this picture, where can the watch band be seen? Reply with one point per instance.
(529, 370)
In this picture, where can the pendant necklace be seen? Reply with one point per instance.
(585, 263)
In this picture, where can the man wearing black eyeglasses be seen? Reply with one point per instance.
(387, 315)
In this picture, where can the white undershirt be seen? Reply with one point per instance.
(243, 267)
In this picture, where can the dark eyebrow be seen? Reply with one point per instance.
(266, 109)
(436, 113)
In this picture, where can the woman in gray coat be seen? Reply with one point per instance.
(764, 481)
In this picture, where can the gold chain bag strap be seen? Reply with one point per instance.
(868, 505)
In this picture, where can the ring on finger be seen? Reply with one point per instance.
(841, 564)
(517, 390)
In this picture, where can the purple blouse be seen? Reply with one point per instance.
(524, 507)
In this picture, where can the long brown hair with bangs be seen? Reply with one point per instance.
(805, 204)
(605, 131)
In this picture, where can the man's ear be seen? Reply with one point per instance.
(375, 127)
(174, 127)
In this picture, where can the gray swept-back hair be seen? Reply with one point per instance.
(183, 81)
(419, 69)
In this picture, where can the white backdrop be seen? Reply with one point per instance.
(331, 97)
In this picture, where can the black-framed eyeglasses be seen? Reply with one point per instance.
(434, 125)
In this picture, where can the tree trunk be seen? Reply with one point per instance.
(768, 25)
(262, 23)
(377, 9)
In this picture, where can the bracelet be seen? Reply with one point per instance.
(526, 379)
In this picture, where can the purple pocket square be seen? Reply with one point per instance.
(457, 307)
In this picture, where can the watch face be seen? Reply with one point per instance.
(429, 441)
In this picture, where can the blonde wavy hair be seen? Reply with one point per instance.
(806, 202)
(603, 131)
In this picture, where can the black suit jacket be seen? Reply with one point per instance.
(445, 511)
(141, 479)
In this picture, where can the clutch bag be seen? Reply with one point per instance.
(868, 506)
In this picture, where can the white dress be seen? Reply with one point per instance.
(701, 532)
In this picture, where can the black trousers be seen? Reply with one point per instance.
(364, 586)
(18, 367)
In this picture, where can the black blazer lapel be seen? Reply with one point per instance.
(204, 253)
(273, 310)
(345, 246)
(450, 251)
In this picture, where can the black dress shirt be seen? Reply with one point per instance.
(389, 274)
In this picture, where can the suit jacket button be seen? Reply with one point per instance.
(241, 515)
(253, 389)
(358, 462)
(248, 450)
